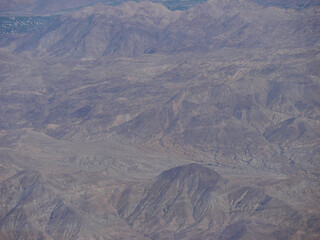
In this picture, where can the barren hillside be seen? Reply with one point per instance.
(137, 122)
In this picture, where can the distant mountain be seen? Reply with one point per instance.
(135, 29)
(36, 7)
(296, 4)
(128, 30)
(45, 7)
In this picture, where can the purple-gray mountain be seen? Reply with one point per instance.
(137, 122)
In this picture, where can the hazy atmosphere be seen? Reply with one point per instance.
(162, 120)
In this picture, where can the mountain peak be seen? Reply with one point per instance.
(179, 197)
(190, 175)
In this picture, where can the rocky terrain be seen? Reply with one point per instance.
(137, 122)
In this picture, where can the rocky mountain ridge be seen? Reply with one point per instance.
(182, 203)
(133, 29)
(32, 7)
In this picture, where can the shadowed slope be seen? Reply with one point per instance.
(194, 202)
(177, 199)
(34, 207)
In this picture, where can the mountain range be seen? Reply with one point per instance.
(137, 122)
(45, 7)
(134, 29)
